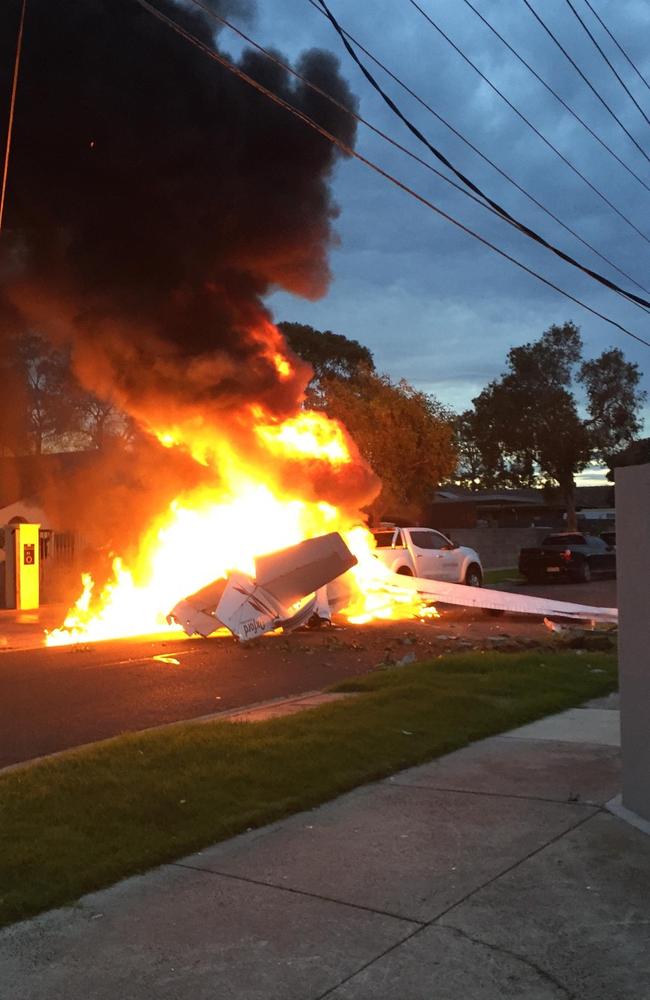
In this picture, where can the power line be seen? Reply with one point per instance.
(618, 45)
(479, 196)
(349, 151)
(12, 107)
(475, 149)
(557, 96)
(473, 187)
(520, 114)
(613, 69)
(586, 79)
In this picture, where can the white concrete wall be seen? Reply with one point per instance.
(24, 508)
(633, 571)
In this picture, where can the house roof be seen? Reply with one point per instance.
(486, 497)
(586, 496)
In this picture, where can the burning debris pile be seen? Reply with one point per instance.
(284, 593)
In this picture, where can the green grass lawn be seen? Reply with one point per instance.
(502, 575)
(86, 819)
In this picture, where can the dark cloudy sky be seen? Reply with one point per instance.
(432, 303)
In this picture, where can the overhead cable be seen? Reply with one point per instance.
(557, 96)
(618, 45)
(586, 79)
(603, 54)
(475, 149)
(520, 114)
(479, 198)
(216, 56)
(526, 230)
(482, 199)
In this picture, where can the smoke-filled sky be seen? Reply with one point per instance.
(154, 200)
(432, 303)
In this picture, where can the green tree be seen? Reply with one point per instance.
(406, 436)
(43, 407)
(50, 390)
(471, 470)
(613, 400)
(331, 355)
(527, 426)
(483, 459)
(100, 422)
(635, 453)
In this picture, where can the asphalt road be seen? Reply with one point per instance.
(51, 699)
(600, 593)
(54, 699)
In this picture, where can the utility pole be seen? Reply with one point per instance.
(12, 107)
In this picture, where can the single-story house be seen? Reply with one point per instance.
(463, 508)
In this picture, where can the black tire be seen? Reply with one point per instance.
(473, 576)
(582, 572)
(404, 571)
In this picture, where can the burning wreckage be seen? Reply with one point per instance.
(293, 585)
(289, 587)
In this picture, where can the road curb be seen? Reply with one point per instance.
(260, 711)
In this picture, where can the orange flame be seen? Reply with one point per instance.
(309, 435)
(211, 530)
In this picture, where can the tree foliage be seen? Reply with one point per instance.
(526, 428)
(471, 470)
(406, 436)
(50, 391)
(329, 354)
(43, 407)
(635, 453)
(613, 400)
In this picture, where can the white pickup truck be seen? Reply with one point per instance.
(427, 553)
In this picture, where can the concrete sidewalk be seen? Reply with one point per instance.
(495, 872)
(25, 629)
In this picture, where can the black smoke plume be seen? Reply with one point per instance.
(154, 199)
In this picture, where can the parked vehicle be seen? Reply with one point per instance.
(609, 537)
(568, 553)
(429, 554)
